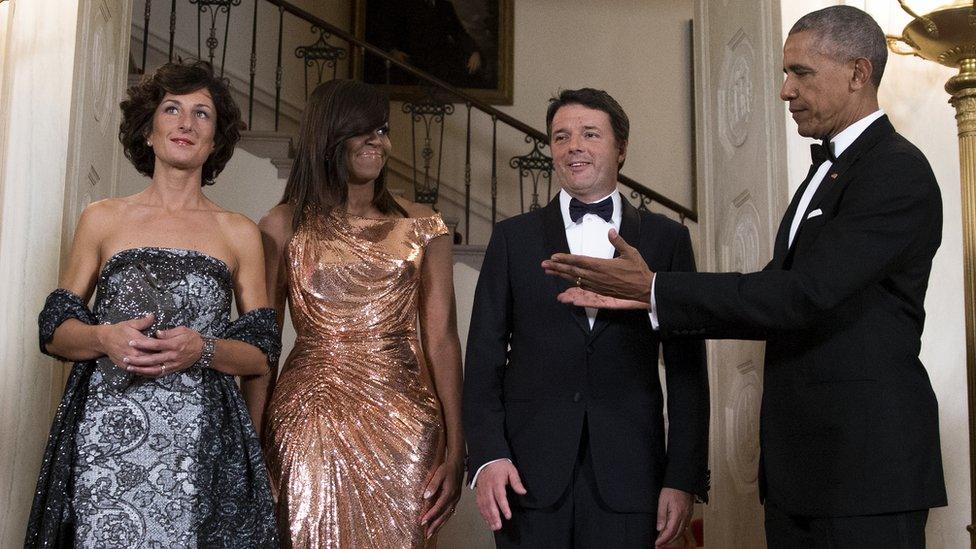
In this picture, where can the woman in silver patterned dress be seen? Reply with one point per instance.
(152, 445)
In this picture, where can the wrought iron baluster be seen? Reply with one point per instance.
(467, 179)
(440, 158)
(535, 165)
(321, 54)
(644, 201)
(253, 68)
(199, 31)
(214, 7)
(279, 71)
(429, 110)
(223, 55)
(145, 35)
(494, 168)
(172, 28)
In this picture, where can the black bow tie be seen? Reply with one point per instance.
(603, 208)
(822, 152)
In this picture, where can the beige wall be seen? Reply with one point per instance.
(637, 50)
(914, 100)
(34, 114)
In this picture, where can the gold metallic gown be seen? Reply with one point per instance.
(353, 426)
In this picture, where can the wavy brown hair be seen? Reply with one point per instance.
(178, 79)
(336, 111)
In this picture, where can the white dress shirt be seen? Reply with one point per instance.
(588, 236)
(838, 145)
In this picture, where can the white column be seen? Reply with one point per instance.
(35, 98)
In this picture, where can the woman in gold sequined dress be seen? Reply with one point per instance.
(362, 429)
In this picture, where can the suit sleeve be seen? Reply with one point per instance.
(882, 221)
(486, 358)
(686, 376)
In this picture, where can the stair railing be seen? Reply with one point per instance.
(428, 112)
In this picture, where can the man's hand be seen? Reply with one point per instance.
(625, 277)
(492, 501)
(585, 298)
(673, 514)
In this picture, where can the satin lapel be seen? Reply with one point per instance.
(837, 176)
(556, 243)
(630, 231)
(781, 247)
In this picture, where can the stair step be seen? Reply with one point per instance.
(267, 144)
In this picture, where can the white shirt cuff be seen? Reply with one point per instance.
(474, 479)
(653, 311)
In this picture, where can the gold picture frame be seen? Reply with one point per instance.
(427, 34)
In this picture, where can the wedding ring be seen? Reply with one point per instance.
(162, 369)
(579, 282)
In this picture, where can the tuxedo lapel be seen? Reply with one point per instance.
(837, 176)
(556, 243)
(781, 246)
(630, 232)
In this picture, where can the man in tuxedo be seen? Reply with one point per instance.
(850, 451)
(563, 406)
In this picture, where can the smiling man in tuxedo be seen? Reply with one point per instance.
(850, 452)
(563, 407)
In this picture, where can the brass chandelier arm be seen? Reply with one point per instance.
(930, 25)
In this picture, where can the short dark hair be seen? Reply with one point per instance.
(336, 111)
(178, 78)
(593, 99)
(845, 33)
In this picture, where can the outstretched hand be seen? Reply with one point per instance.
(585, 298)
(625, 277)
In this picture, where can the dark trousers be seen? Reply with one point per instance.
(889, 531)
(579, 519)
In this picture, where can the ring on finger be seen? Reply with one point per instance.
(579, 281)
(162, 369)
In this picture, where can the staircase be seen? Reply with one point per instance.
(474, 176)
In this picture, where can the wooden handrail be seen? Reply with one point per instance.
(683, 211)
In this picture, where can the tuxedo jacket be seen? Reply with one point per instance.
(535, 372)
(849, 421)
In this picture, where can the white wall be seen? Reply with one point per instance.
(912, 95)
(38, 59)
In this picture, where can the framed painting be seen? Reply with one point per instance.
(466, 43)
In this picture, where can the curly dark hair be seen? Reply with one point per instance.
(178, 78)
